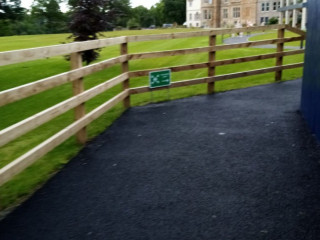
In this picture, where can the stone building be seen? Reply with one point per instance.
(267, 9)
(238, 13)
(210, 13)
(230, 13)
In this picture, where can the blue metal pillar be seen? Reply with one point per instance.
(310, 99)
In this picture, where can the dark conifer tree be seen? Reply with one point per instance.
(88, 19)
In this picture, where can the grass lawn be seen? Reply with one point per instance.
(14, 75)
(274, 34)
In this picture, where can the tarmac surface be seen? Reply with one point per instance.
(236, 165)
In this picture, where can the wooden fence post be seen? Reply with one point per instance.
(125, 68)
(78, 87)
(279, 60)
(212, 58)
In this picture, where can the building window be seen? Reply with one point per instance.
(190, 3)
(207, 14)
(236, 12)
(264, 20)
(263, 8)
(190, 16)
(197, 16)
(225, 13)
(279, 4)
(275, 4)
(267, 6)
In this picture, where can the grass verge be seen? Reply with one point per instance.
(274, 34)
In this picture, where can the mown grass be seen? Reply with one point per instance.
(14, 75)
(273, 35)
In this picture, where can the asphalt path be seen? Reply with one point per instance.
(236, 165)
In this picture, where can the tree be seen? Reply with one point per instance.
(88, 18)
(48, 17)
(123, 12)
(143, 16)
(273, 20)
(174, 11)
(10, 12)
(157, 12)
(133, 24)
(56, 21)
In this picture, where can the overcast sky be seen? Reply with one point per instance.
(134, 3)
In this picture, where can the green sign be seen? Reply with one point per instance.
(160, 78)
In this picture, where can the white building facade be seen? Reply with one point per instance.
(193, 13)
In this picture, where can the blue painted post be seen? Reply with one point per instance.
(310, 99)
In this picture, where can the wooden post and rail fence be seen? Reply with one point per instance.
(81, 96)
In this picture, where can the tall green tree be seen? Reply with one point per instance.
(174, 11)
(10, 12)
(157, 12)
(123, 12)
(56, 20)
(143, 16)
(48, 17)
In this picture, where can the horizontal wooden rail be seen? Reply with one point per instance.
(217, 63)
(216, 78)
(28, 124)
(27, 90)
(31, 54)
(201, 33)
(18, 56)
(169, 53)
(258, 43)
(18, 165)
(296, 30)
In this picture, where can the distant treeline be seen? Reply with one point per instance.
(45, 16)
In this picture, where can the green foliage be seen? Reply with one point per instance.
(157, 12)
(273, 20)
(143, 16)
(11, 10)
(133, 24)
(47, 16)
(10, 14)
(123, 9)
(175, 11)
